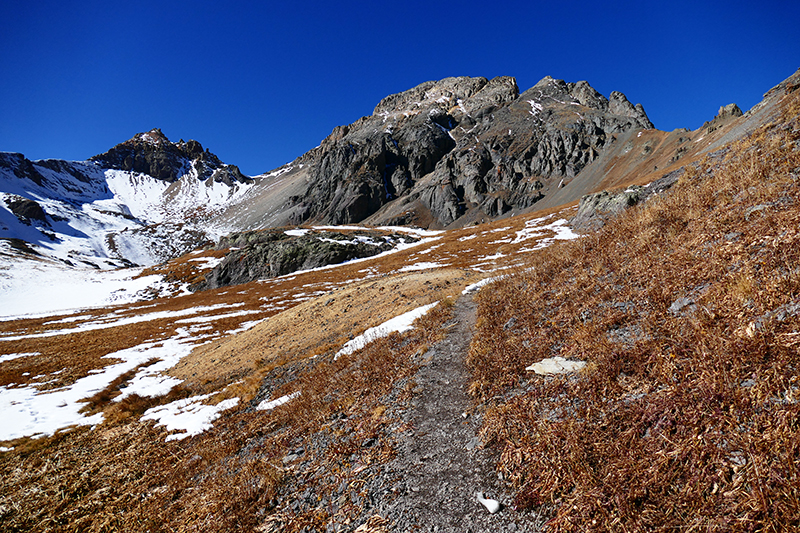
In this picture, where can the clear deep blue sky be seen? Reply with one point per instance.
(259, 83)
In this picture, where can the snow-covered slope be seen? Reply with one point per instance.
(84, 213)
(67, 224)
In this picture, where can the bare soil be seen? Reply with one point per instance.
(440, 463)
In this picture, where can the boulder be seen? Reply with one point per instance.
(271, 253)
(26, 210)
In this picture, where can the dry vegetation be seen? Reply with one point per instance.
(686, 418)
(687, 310)
(121, 477)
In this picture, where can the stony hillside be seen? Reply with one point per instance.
(685, 313)
(462, 150)
(459, 146)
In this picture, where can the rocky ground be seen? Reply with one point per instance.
(440, 467)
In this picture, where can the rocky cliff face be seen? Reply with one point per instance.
(447, 147)
(153, 154)
(270, 253)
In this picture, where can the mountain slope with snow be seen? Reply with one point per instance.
(107, 212)
(682, 314)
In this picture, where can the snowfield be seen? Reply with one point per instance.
(36, 288)
(111, 218)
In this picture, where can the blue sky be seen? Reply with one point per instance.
(259, 83)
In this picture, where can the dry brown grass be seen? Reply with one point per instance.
(122, 477)
(685, 419)
(313, 328)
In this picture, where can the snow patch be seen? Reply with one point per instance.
(123, 321)
(268, 405)
(29, 412)
(397, 324)
(533, 230)
(41, 288)
(536, 107)
(421, 266)
(189, 416)
(208, 262)
(244, 326)
(469, 289)
(12, 356)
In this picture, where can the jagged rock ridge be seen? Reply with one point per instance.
(459, 144)
(153, 154)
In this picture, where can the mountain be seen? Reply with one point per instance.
(447, 152)
(142, 202)
(512, 375)
(457, 151)
(444, 154)
(153, 154)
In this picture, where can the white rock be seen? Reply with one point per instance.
(491, 505)
(556, 365)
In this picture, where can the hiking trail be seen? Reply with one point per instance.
(440, 465)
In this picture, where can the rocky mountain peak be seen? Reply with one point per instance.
(154, 154)
(618, 104)
(587, 96)
(462, 95)
(551, 92)
(154, 136)
(461, 144)
(442, 94)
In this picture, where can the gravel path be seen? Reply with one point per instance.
(440, 465)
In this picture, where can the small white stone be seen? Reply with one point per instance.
(491, 505)
(555, 365)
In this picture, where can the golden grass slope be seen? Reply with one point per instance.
(687, 310)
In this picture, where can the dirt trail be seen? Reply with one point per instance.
(440, 462)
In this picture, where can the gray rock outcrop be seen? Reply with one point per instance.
(20, 166)
(461, 144)
(595, 209)
(26, 210)
(153, 154)
(724, 115)
(270, 253)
